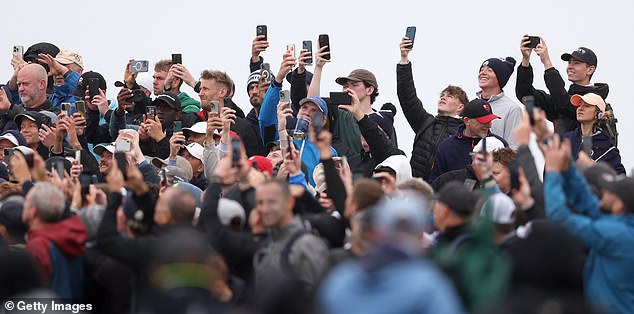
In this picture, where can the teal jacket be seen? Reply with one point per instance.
(608, 274)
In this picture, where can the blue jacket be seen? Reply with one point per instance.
(608, 275)
(386, 281)
(454, 152)
(63, 93)
(602, 149)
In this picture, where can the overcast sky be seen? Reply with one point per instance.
(453, 39)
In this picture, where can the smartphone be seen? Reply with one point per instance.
(235, 152)
(150, 112)
(317, 121)
(261, 30)
(214, 106)
(308, 45)
(139, 66)
(483, 149)
(122, 146)
(19, 49)
(514, 173)
(8, 152)
(324, 40)
(177, 58)
(85, 181)
(122, 162)
(410, 33)
(59, 168)
(93, 84)
(529, 103)
(338, 162)
(534, 41)
(285, 96)
(289, 148)
(586, 142)
(177, 126)
(66, 108)
(80, 106)
(291, 49)
(265, 70)
(340, 98)
(164, 177)
(78, 155)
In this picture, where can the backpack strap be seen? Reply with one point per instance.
(286, 252)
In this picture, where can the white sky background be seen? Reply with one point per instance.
(452, 40)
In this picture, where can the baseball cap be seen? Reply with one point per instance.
(593, 175)
(47, 48)
(38, 117)
(263, 164)
(622, 187)
(501, 209)
(14, 137)
(317, 101)
(590, 98)
(99, 148)
(493, 144)
(457, 197)
(480, 110)
(228, 210)
(181, 163)
(198, 127)
(582, 54)
(195, 150)
(362, 75)
(407, 210)
(80, 91)
(145, 80)
(175, 174)
(68, 57)
(168, 98)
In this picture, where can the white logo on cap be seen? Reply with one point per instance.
(168, 96)
(581, 51)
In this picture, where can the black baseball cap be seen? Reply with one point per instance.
(168, 98)
(80, 91)
(582, 54)
(480, 110)
(622, 187)
(457, 197)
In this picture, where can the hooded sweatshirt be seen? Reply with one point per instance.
(188, 104)
(56, 248)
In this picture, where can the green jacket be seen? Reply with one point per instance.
(188, 104)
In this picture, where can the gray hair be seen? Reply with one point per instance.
(49, 201)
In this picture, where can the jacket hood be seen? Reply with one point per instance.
(188, 104)
(601, 89)
(69, 235)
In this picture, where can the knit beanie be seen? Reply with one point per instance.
(503, 68)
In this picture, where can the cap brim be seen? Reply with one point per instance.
(575, 100)
(344, 80)
(566, 56)
(308, 100)
(488, 118)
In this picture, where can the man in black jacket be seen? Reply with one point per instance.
(582, 64)
(430, 130)
(155, 133)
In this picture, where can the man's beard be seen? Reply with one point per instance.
(27, 101)
(255, 102)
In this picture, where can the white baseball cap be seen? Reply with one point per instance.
(195, 150)
(198, 127)
(501, 208)
(493, 144)
(99, 148)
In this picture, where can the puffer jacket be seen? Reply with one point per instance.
(430, 131)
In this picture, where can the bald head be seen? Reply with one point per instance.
(32, 85)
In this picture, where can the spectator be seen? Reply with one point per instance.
(155, 133)
(493, 76)
(57, 244)
(608, 281)
(582, 64)
(32, 80)
(453, 152)
(66, 69)
(172, 82)
(590, 111)
(30, 123)
(430, 130)
(8, 110)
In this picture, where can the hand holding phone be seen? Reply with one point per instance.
(139, 66)
(177, 58)
(410, 33)
(261, 30)
(308, 45)
(529, 103)
(483, 149)
(324, 40)
(533, 41)
(236, 153)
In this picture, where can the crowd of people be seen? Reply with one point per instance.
(156, 202)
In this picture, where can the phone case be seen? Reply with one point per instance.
(324, 40)
(411, 34)
(308, 45)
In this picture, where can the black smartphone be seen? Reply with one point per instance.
(410, 33)
(177, 58)
(324, 40)
(80, 106)
(164, 176)
(586, 142)
(235, 152)
(340, 98)
(122, 162)
(534, 41)
(483, 149)
(150, 112)
(308, 45)
(137, 95)
(261, 30)
(317, 121)
(85, 180)
(93, 87)
(139, 66)
(177, 126)
(514, 174)
(529, 103)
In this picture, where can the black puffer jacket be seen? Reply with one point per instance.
(430, 130)
(556, 104)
